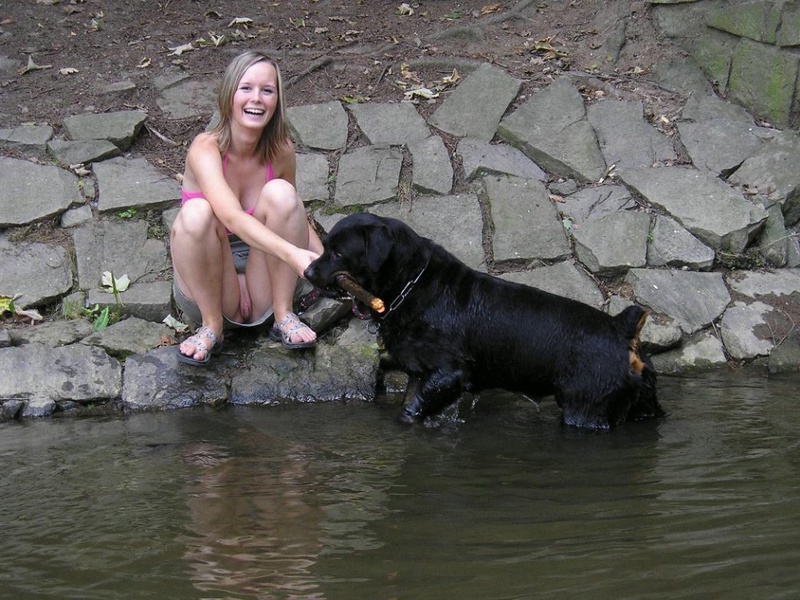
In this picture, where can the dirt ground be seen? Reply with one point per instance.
(67, 51)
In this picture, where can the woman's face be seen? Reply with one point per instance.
(256, 96)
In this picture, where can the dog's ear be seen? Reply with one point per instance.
(378, 246)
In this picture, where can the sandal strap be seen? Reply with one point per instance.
(289, 318)
(198, 342)
(297, 325)
(207, 332)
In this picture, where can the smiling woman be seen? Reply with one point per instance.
(242, 238)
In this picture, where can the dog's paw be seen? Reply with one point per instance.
(408, 417)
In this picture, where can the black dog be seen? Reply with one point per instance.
(456, 330)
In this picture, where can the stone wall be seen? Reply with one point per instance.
(750, 49)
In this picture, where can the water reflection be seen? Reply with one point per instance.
(246, 541)
(338, 502)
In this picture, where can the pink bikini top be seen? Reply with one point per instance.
(187, 195)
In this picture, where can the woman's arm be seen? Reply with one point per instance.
(204, 167)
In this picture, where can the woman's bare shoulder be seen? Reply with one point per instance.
(285, 159)
(204, 142)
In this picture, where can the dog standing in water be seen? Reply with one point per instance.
(456, 330)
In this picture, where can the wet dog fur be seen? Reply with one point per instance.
(453, 330)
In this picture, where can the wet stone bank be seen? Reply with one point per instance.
(576, 194)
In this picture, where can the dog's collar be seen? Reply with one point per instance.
(404, 292)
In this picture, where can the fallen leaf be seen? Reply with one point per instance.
(172, 322)
(68, 71)
(32, 66)
(240, 21)
(113, 283)
(178, 50)
(490, 8)
(144, 63)
(405, 10)
(30, 313)
(422, 92)
(167, 340)
(454, 77)
(79, 170)
(319, 30)
(7, 305)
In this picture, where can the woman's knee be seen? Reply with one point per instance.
(195, 218)
(279, 197)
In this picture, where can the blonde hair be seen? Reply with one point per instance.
(276, 133)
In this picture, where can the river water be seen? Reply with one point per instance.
(339, 502)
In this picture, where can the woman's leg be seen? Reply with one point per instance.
(203, 268)
(270, 280)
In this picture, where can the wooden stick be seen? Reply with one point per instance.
(349, 285)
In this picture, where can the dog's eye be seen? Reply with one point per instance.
(336, 255)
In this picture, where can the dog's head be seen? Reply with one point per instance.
(374, 251)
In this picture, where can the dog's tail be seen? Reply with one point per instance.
(630, 323)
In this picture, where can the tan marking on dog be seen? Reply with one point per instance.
(634, 359)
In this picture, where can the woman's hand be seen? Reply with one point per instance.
(300, 259)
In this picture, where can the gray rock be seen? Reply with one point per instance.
(700, 108)
(659, 337)
(613, 244)
(120, 128)
(475, 107)
(719, 145)
(683, 76)
(775, 241)
(133, 183)
(526, 224)
(774, 173)
(76, 216)
(596, 202)
(183, 98)
(739, 326)
(756, 284)
(433, 217)
(368, 176)
(53, 333)
(670, 245)
(45, 377)
(319, 126)
(312, 177)
(81, 152)
(433, 171)
(703, 352)
(129, 336)
(718, 215)
(121, 248)
(694, 300)
(785, 357)
(32, 192)
(479, 157)
(551, 128)
(328, 374)
(37, 273)
(563, 279)
(625, 138)
(158, 381)
(25, 137)
(146, 300)
(390, 124)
